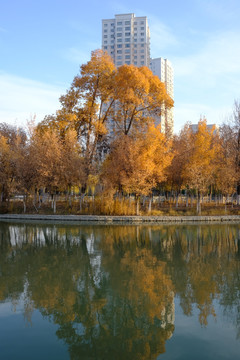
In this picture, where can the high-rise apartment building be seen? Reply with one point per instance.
(164, 70)
(127, 39)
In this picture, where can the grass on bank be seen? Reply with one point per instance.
(123, 206)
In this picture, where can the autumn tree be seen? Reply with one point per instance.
(25, 157)
(11, 140)
(59, 162)
(225, 163)
(6, 175)
(136, 164)
(181, 149)
(72, 163)
(230, 134)
(139, 98)
(87, 104)
(103, 98)
(199, 169)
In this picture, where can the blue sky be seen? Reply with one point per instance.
(43, 43)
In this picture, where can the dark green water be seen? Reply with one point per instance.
(119, 292)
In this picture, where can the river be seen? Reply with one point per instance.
(71, 291)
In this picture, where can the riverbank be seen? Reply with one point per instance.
(119, 219)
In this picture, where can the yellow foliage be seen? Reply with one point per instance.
(137, 164)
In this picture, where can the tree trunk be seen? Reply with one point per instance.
(238, 199)
(54, 203)
(198, 203)
(70, 199)
(137, 206)
(24, 204)
(150, 205)
(80, 202)
(177, 198)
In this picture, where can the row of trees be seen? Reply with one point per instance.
(104, 137)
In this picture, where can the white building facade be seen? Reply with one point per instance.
(127, 39)
(164, 70)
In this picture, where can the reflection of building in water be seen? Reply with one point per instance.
(95, 260)
(168, 315)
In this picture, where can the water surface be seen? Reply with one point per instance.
(119, 292)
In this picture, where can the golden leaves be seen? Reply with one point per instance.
(135, 165)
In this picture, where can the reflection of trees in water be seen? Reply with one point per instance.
(96, 281)
(106, 306)
(203, 261)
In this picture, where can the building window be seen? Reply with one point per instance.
(112, 30)
(142, 28)
(135, 45)
(127, 45)
(135, 63)
(127, 51)
(105, 36)
(127, 28)
(112, 41)
(105, 25)
(142, 22)
(142, 34)
(127, 33)
(142, 56)
(135, 51)
(142, 45)
(119, 40)
(119, 51)
(119, 46)
(119, 23)
(142, 51)
(112, 46)
(128, 62)
(135, 57)
(105, 30)
(112, 24)
(119, 34)
(119, 63)
(135, 23)
(142, 39)
(135, 40)
(105, 42)
(112, 36)
(127, 57)
(119, 57)
(142, 62)
(127, 22)
(105, 47)
(119, 29)
(127, 40)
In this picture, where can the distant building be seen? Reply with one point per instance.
(127, 39)
(164, 70)
(194, 127)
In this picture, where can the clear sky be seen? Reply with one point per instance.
(43, 43)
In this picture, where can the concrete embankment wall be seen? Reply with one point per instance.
(120, 219)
